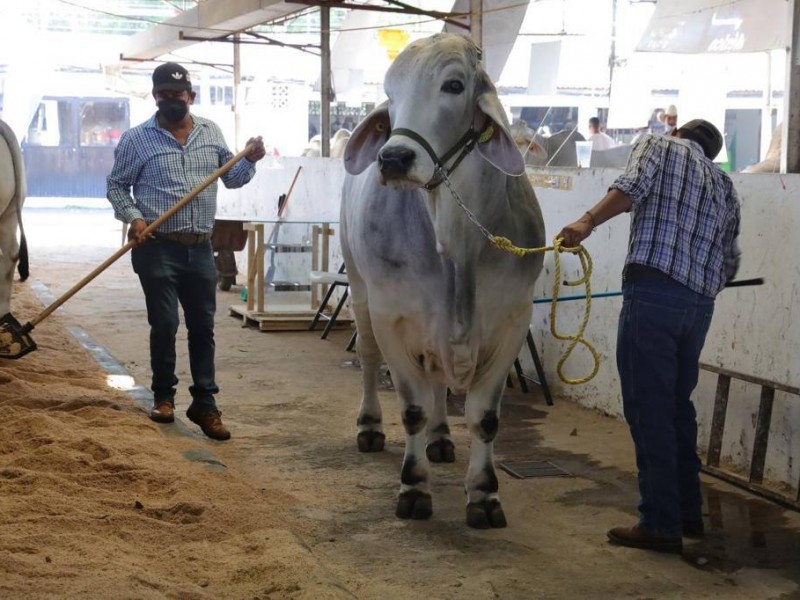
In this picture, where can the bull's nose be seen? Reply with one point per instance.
(395, 162)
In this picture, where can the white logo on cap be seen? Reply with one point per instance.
(177, 75)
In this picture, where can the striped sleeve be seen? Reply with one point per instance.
(640, 172)
(123, 175)
(242, 172)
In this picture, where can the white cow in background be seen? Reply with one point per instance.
(338, 144)
(12, 195)
(429, 291)
(772, 161)
(525, 139)
(555, 150)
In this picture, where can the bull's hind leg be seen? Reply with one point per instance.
(370, 436)
(440, 447)
(483, 419)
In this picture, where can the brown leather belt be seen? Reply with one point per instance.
(189, 239)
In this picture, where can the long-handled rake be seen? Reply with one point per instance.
(15, 339)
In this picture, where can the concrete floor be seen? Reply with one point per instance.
(290, 400)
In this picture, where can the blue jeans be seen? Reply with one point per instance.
(171, 272)
(662, 329)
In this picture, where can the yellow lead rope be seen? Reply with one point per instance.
(586, 264)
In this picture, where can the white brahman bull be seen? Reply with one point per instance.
(429, 291)
(12, 195)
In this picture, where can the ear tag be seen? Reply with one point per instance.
(486, 135)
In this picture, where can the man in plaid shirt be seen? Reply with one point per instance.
(682, 252)
(162, 160)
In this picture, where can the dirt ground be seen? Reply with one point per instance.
(98, 502)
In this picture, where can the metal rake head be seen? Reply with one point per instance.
(15, 339)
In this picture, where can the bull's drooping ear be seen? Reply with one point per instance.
(500, 150)
(367, 139)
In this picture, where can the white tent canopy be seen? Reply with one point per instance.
(700, 26)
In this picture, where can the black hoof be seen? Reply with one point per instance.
(441, 451)
(414, 505)
(370, 441)
(486, 514)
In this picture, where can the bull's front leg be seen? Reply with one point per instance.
(415, 396)
(482, 413)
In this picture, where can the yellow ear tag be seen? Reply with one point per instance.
(486, 135)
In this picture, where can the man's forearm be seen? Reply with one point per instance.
(613, 203)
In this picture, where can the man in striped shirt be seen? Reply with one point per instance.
(682, 252)
(161, 161)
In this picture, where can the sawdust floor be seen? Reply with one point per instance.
(288, 508)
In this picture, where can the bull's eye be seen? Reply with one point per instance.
(452, 86)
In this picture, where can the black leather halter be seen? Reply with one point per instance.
(465, 145)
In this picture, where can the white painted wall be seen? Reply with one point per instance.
(756, 330)
(316, 194)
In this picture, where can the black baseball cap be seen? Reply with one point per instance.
(705, 134)
(171, 76)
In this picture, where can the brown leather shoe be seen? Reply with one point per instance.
(210, 421)
(637, 537)
(163, 411)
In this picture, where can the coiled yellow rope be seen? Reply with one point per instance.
(586, 264)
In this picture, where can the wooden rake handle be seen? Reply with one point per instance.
(282, 209)
(149, 229)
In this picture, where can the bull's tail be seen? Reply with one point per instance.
(22, 266)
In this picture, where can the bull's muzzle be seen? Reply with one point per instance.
(395, 162)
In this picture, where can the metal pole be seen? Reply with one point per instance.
(476, 23)
(767, 127)
(325, 87)
(612, 57)
(237, 78)
(790, 147)
(576, 297)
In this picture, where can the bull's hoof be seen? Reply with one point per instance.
(486, 514)
(414, 505)
(371, 441)
(441, 451)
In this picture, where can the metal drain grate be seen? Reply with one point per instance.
(534, 468)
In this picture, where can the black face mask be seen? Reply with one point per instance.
(173, 110)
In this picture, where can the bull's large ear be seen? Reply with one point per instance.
(500, 150)
(367, 139)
